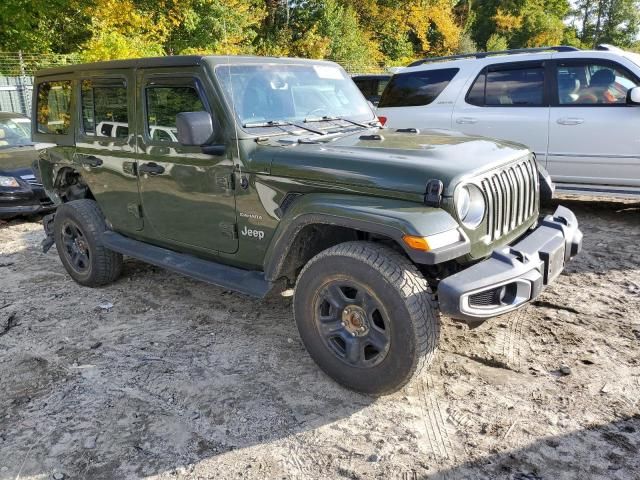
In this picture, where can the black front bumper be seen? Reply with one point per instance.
(514, 275)
(24, 201)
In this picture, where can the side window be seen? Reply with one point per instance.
(382, 84)
(476, 92)
(591, 83)
(53, 107)
(104, 109)
(416, 88)
(508, 87)
(163, 104)
(366, 87)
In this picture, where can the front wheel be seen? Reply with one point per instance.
(367, 316)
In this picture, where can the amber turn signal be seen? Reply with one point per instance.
(417, 243)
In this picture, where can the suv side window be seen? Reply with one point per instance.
(418, 88)
(164, 103)
(592, 82)
(104, 107)
(366, 86)
(53, 107)
(506, 87)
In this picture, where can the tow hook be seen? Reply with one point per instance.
(47, 223)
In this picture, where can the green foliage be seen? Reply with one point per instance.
(615, 22)
(364, 34)
(496, 43)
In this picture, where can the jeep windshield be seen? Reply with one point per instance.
(280, 95)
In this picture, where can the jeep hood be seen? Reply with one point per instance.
(399, 161)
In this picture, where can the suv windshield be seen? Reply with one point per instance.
(275, 93)
(15, 132)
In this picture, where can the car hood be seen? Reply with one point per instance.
(16, 161)
(398, 161)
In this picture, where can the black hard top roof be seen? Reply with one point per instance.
(172, 61)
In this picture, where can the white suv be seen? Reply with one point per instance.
(576, 109)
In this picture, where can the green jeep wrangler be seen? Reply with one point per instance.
(274, 175)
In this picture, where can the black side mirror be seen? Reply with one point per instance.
(194, 128)
(633, 96)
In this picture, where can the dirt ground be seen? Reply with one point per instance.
(179, 379)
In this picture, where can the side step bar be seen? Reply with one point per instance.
(244, 281)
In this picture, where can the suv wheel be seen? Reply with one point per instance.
(367, 316)
(77, 230)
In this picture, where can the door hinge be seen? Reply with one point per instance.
(135, 209)
(129, 168)
(229, 230)
(225, 182)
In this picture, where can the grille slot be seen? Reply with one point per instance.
(31, 180)
(486, 298)
(511, 195)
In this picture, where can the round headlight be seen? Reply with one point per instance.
(470, 205)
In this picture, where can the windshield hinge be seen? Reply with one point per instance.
(433, 194)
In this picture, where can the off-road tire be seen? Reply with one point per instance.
(104, 266)
(401, 290)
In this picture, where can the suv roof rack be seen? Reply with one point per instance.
(558, 48)
(608, 48)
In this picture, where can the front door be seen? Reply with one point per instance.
(594, 135)
(507, 101)
(187, 195)
(105, 141)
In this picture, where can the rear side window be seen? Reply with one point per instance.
(163, 104)
(53, 107)
(414, 89)
(522, 87)
(104, 109)
(366, 86)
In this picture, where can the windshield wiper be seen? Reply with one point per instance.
(281, 123)
(327, 118)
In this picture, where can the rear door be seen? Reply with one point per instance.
(594, 135)
(187, 195)
(105, 145)
(507, 101)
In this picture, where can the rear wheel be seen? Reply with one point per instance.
(77, 230)
(367, 316)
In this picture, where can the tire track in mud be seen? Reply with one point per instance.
(433, 421)
(511, 338)
(301, 462)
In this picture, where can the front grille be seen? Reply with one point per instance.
(512, 197)
(31, 180)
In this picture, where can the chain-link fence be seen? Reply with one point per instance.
(16, 77)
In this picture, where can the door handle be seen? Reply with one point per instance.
(91, 161)
(466, 120)
(151, 168)
(570, 121)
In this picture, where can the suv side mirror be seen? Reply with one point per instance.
(633, 96)
(194, 128)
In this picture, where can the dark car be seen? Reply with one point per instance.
(372, 86)
(20, 191)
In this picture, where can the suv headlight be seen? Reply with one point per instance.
(470, 205)
(8, 182)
